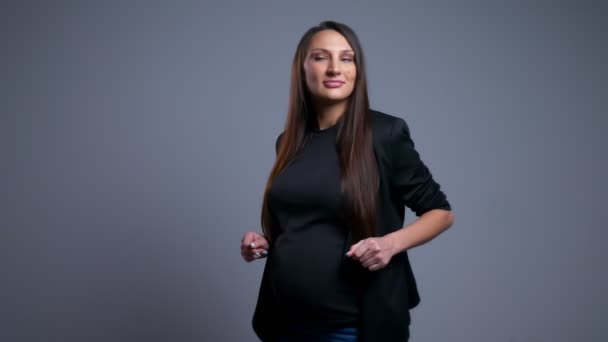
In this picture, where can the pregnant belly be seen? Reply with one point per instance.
(312, 276)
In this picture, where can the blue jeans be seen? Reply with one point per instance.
(308, 334)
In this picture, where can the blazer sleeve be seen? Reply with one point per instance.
(411, 180)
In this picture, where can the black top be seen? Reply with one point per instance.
(405, 181)
(312, 278)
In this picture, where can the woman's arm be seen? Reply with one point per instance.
(423, 230)
(376, 252)
(413, 185)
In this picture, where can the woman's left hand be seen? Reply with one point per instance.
(374, 253)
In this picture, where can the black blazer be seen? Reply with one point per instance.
(405, 181)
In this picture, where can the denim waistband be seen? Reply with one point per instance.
(306, 332)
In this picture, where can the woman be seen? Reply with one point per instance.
(333, 208)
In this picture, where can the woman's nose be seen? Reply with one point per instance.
(333, 68)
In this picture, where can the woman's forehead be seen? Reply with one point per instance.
(329, 41)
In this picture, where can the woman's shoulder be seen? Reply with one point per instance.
(385, 125)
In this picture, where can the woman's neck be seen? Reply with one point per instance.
(329, 114)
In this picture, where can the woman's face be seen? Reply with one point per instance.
(329, 67)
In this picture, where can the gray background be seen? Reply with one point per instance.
(137, 139)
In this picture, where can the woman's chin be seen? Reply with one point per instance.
(330, 98)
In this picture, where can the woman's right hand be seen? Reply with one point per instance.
(253, 246)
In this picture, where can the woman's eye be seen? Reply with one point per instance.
(320, 58)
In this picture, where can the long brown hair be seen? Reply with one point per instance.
(358, 170)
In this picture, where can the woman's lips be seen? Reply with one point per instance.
(333, 84)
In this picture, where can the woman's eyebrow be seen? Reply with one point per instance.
(325, 50)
